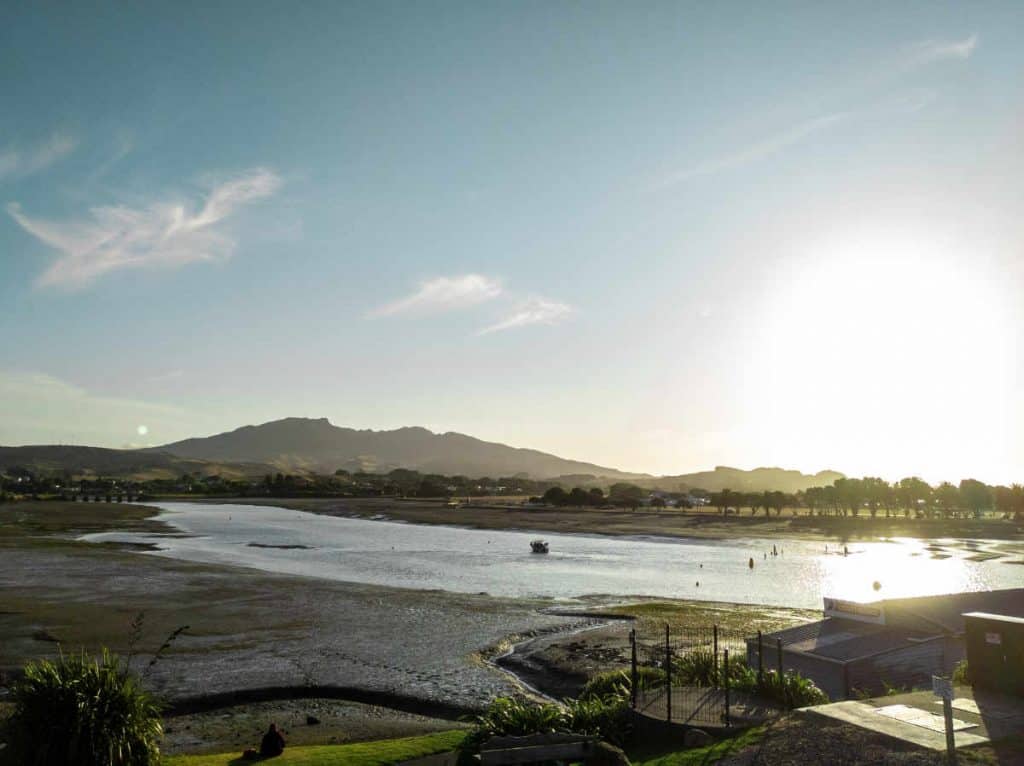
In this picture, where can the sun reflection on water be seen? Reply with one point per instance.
(901, 568)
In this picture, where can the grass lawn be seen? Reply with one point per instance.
(699, 756)
(379, 753)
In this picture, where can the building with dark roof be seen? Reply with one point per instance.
(867, 648)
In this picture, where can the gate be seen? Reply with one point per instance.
(685, 676)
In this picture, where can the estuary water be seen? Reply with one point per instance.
(500, 563)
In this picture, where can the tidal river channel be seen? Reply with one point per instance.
(500, 563)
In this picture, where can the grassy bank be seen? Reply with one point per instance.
(652, 616)
(57, 523)
(379, 753)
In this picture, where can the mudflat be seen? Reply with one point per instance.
(251, 635)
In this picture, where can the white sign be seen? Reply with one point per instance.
(993, 638)
(853, 610)
(942, 687)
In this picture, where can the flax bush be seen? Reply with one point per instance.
(83, 711)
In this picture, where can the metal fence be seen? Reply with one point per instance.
(685, 677)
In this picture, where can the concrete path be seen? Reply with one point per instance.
(916, 717)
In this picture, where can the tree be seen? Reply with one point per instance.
(623, 493)
(876, 492)
(912, 493)
(724, 500)
(555, 496)
(1018, 501)
(850, 494)
(1003, 499)
(975, 495)
(814, 499)
(947, 497)
(578, 497)
(596, 496)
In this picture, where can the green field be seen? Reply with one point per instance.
(379, 753)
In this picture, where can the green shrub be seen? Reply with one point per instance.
(961, 676)
(608, 719)
(83, 711)
(699, 668)
(791, 690)
(505, 717)
(618, 684)
(613, 684)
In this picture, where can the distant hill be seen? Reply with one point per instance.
(307, 444)
(304, 445)
(756, 480)
(136, 464)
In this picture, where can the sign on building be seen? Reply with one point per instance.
(853, 610)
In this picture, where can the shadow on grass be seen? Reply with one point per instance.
(674, 755)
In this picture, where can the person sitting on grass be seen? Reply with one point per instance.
(272, 744)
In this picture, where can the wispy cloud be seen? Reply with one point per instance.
(443, 294)
(529, 312)
(929, 51)
(163, 234)
(912, 56)
(163, 377)
(758, 150)
(16, 162)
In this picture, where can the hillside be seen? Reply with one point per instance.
(317, 445)
(756, 480)
(303, 445)
(98, 461)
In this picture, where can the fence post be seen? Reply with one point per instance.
(760, 659)
(668, 677)
(778, 647)
(725, 666)
(715, 639)
(633, 680)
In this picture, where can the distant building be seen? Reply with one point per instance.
(895, 643)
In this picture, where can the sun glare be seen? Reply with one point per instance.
(897, 569)
(897, 355)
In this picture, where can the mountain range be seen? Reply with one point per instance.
(305, 444)
(308, 445)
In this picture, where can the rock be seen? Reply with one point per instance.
(607, 755)
(312, 720)
(697, 738)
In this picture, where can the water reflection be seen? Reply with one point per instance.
(795, 573)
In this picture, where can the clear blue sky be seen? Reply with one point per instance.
(659, 236)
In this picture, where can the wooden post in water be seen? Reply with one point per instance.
(778, 648)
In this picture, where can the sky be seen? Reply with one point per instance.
(654, 236)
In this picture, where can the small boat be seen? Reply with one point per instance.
(539, 546)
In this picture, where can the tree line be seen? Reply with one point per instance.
(909, 497)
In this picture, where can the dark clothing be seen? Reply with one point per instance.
(272, 744)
